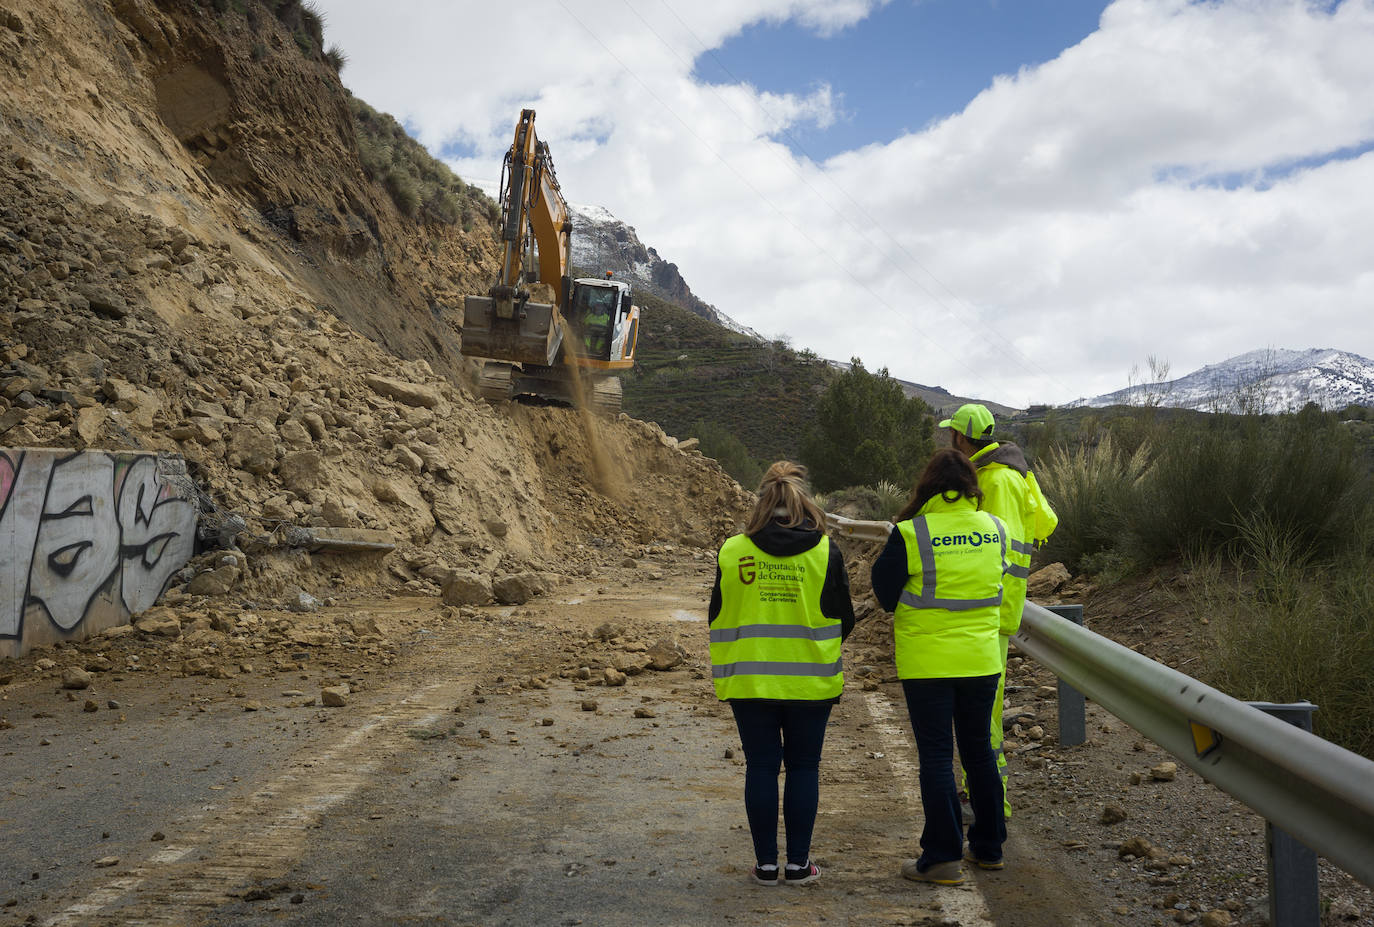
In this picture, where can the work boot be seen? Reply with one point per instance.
(948, 873)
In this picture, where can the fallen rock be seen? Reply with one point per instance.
(411, 394)
(631, 664)
(1112, 814)
(1164, 772)
(645, 713)
(518, 588)
(608, 630)
(1047, 581)
(1216, 918)
(1135, 846)
(463, 587)
(334, 696)
(664, 655)
(74, 677)
(158, 623)
(214, 582)
(613, 677)
(105, 862)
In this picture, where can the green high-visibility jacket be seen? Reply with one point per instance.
(946, 621)
(770, 639)
(1011, 492)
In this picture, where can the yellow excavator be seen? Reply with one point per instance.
(541, 333)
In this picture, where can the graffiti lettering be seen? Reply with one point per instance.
(86, 539)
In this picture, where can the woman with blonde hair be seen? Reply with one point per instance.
(779, 611)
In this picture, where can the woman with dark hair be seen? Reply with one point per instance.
(779, 612)
(941, 576)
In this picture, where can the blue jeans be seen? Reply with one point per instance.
(774, 733)
(965, 703)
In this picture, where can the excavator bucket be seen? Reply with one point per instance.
(531, 335)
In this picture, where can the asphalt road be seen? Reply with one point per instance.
(442, 794)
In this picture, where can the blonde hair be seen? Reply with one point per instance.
(782, 495)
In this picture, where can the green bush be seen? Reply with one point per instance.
(723, 446)
(1088, 488)
(337, 58)
(1208, 479)
(1289, 627)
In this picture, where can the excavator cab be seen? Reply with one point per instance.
(594, 313)
(603, 315)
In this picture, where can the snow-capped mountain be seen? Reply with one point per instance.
(1270, 380)
(601, 242)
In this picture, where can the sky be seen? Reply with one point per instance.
(1024, 201)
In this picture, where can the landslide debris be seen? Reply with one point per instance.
(193, 261)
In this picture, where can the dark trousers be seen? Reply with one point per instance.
(964, 703)
(774, 733)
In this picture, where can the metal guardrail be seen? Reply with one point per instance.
(859, 530)
(1318, 792)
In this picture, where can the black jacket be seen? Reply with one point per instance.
(778, 541)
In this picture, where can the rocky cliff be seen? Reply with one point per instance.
(194, 260)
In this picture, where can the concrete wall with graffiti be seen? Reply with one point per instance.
(86, 539)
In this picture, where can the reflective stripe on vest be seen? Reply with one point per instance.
(928, 599)
(947, 617)
(770, 639)
(725, 635)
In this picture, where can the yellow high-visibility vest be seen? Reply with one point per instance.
(770, 639)
(1023, 508)
(946, 621)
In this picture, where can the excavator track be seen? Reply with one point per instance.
(495, 383)
(606, 396)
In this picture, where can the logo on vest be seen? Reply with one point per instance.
(746, 570)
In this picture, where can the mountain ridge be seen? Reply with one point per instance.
(1264, 380)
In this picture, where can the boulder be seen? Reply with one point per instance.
(411, 394)
(301, 471)
(214, 582)
(463, 587)
(664, 655)
(518, 588)
(158, 622)
(1047, 581)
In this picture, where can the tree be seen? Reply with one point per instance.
(867, 431)
(721, 444)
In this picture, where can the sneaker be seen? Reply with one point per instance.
(990, 864)
(948, 873)
(764, 876)
(803, 876)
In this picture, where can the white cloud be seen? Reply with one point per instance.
(1033, 247)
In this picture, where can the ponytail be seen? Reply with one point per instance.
(782, 495)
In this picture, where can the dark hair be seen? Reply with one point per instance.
(782, 495)
(948, 474)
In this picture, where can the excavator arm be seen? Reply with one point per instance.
(512, 323)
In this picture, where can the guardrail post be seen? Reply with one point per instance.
(1073, 724)
(1294, 892)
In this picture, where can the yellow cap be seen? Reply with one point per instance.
(972, 420)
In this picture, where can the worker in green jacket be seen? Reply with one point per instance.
(1011, 492)
(941, 576)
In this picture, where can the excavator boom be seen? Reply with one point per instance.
(537, 327)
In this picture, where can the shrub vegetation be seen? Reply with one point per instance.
(1271, 516)
(421, 186)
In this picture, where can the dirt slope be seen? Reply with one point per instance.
(192, 260)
